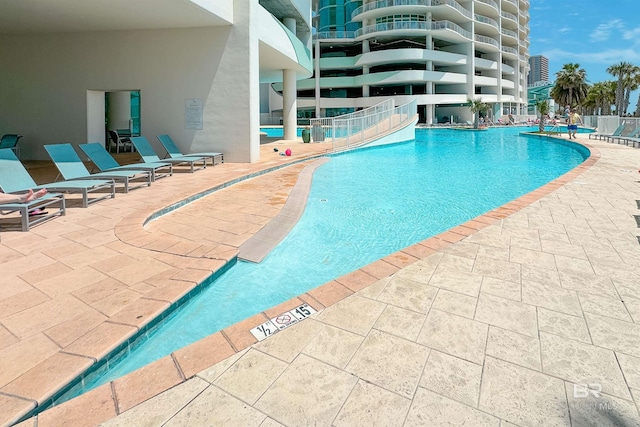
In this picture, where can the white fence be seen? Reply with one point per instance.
(355, 129)
(608, 124)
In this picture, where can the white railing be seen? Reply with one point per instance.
(490, 3)
(380, 4)
(414, 25)
(335, 35)
(487, 20)
(355, 129)
(488, 40)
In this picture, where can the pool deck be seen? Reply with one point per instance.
(499, 321)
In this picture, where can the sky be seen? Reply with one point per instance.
(593, 33)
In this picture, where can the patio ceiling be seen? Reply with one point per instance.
(65, 16)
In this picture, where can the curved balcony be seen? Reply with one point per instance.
(398, 56)
(488, 41)
(489, 6)
(381, 79)
(386, 7)
(509, 16)
(337, 35)
(509, 34)
(509, 51)
(486, 22)
(485, 64)
(485, 81)
(507, 70)
(511, 5)
(524, 17)
(445, 30)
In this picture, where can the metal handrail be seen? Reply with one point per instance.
(414, 25)
(355, 129)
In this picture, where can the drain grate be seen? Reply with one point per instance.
(638, 203)
(638, 237)
(637, 217)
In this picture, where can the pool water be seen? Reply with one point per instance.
(362, 206)
(563, 129)
(278, 132)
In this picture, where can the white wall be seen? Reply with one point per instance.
(44, 81)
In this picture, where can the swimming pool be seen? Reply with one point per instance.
(278, 132)
(363, 206)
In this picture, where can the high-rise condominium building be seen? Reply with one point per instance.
(440, 52)
(539, 72)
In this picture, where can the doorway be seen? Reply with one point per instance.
(118, 110)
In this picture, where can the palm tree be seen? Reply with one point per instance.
(627, 75)
(571, 85)
(600, 97)
(542, 106)
(476, 106)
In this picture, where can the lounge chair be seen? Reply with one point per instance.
(10, 140)
(28, 210)
(174, 151)
(106, 163)
(71, 167)
(149, 156)
(601, 136)
(15, 178)
(630, 137)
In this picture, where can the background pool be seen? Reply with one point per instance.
(364, 205)
(278, 132)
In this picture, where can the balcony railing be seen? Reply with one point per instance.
(414, 25)
(490, 3)
(509, 16)
(510, 50)
(488, 40)
(487, 20)
(335, 35)
(509, 33)
(391, 3)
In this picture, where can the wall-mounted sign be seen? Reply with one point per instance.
(193, 113)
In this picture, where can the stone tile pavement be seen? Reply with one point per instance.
(528, 315)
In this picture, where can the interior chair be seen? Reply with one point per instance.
(120, 143)
(149, 155)
(174, 151)
(71, 167)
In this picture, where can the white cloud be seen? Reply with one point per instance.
(604, 57)
(564, 30)
(633, 34)
(603, 31)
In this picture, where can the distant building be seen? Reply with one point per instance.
(440, 53)
(539, 69)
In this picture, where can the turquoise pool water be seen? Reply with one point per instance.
(362, 206)
(563, 129)
(275, 132)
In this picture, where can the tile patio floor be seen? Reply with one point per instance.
(496, 322)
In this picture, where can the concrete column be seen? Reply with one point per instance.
(365, 68)
(317, 76)
(289, 95)
(289, 110)
(429, 83)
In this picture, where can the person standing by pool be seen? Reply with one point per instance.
(572, 126)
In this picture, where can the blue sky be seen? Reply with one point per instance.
(593, 33)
